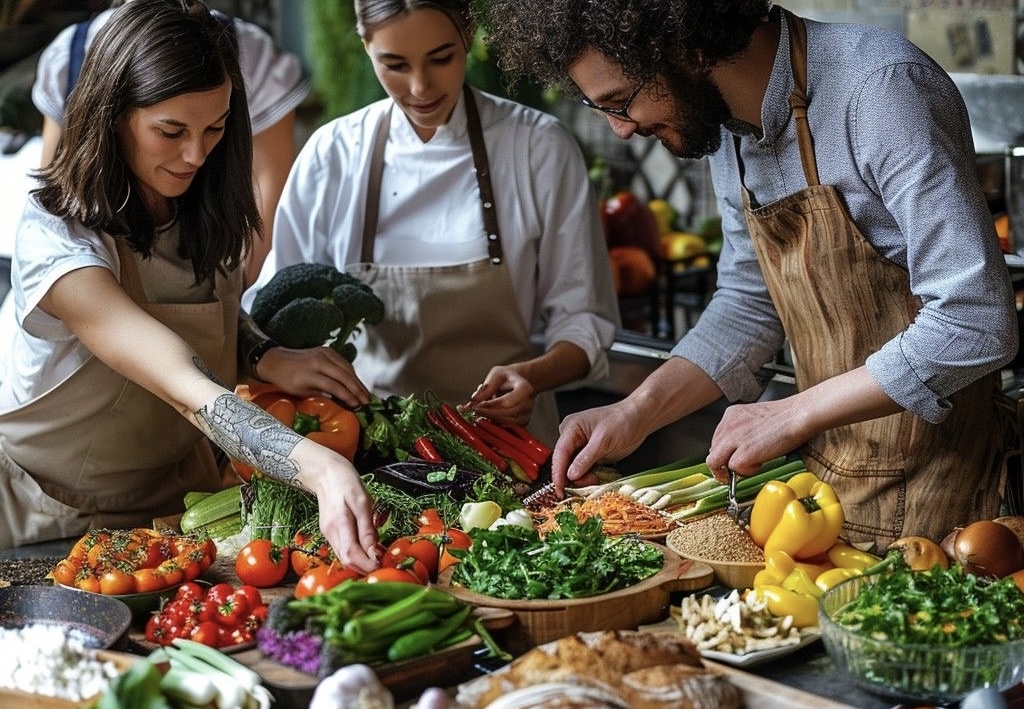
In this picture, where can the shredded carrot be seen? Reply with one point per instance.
(619, 513)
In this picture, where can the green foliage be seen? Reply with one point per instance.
(343, 76)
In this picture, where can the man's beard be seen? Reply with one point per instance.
(700, 111)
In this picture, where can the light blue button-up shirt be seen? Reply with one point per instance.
(892, 134)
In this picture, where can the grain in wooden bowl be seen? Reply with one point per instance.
(721, 543)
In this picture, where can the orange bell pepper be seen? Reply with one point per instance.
(316, 417)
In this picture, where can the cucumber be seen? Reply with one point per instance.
(217, 506)
(222, 528)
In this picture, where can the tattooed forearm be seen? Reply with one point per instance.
(210, 374)
(248, 433)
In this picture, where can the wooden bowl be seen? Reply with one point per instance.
(541, 621)
(731, 574)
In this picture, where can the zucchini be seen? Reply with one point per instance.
(222, 528)
(191, 498)
(217, 506)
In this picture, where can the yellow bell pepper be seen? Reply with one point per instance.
(778, 565)
(800, 581)
(849, 557)
(782, 602)
(834, 577)
(802, 516)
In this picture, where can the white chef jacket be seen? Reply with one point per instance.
(430, 212)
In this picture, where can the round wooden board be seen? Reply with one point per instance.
(693, 576)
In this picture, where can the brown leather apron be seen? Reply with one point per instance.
(444, 326)
(839, 301)
(98, 450)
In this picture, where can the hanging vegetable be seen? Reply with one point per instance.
(801, 516)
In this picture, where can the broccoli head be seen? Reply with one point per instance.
(311, 304)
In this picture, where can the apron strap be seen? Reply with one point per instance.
(481, 166)
(798, 97)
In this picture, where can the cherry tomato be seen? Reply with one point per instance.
(421, 548)
(116, 582)
(219, 592)
(261, 563)
(66, 571)
(321, 578)
(392, 574)
(207, 633)
(88, 582)
(429, 521)
(233, 611)
(190, 591)
(147, 580)
(302, 561)
(155, 632)
(252, 595)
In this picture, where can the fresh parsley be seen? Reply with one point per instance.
(577, 560)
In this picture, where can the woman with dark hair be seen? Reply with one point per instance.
(127, 277)
(469, 216)
(275, 86)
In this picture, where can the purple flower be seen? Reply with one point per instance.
(298, 648)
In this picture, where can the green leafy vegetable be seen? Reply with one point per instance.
(575, 561)
(946, 607)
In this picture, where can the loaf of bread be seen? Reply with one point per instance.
(618, 667)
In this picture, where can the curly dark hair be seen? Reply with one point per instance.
(150, 51)
(542, 38)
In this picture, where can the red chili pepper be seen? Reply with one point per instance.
(518, 458)
(426, 450)
(460, 428)
(523, 433)
(512, 440)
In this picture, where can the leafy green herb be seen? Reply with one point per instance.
(575, 561)
(947, 607)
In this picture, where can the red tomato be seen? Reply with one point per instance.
(66, 571)
(88, 582)
(261, 563)
(155, 632)
(219, 592)
(190, 591)
(171, 572)
(392, 574)
(302, 561)
(117, 583)
(252, 595)
(423, 549)
(238, 636)
(147, 580)
(430, 522)
(233, 611)
(207, 633)
(322, 578)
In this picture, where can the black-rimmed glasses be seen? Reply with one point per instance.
(621, 113)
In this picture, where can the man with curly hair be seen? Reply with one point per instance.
(855, 227)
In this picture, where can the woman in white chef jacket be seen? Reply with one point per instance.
(468, 214)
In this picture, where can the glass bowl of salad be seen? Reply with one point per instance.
(928, 636)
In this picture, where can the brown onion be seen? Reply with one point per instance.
(948, 543)
(987, 548)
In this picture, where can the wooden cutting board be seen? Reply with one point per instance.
(761, 693)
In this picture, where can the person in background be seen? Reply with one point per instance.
(470, 217)
(275, 84)
(843, 166)
(127, 280)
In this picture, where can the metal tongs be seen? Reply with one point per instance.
(733, 508)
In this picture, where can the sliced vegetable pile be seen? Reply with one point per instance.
(397, 427)
(358, 622)
(686, 488)
(576, 560)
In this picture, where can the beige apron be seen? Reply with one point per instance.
(100, 451)
(839, 301)
(444, 326)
